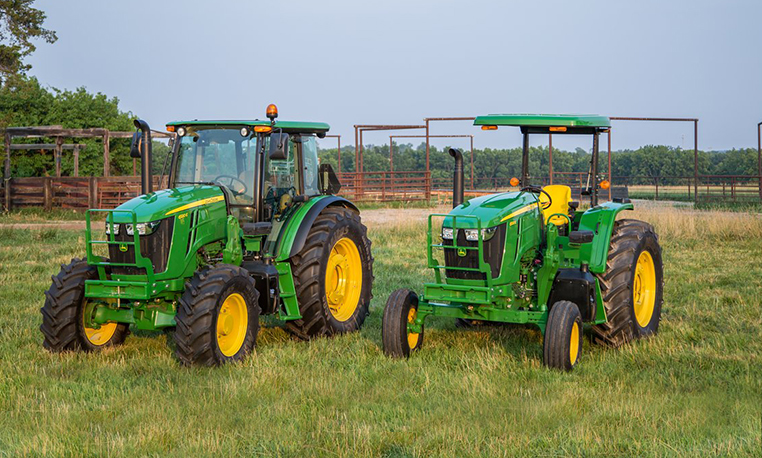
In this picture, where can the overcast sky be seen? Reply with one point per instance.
(396, 62)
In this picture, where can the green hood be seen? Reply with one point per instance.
(169, 202)
(494, 209)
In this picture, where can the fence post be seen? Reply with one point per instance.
(8, 183)
(93, 192)
(76, 160)
(57, 153)
(47, 193)
(656, 182)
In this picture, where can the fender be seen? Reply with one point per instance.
(577, 286)
(600, 219)
(294, 236)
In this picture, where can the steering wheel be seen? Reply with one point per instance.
(232, 180)
(539, 190)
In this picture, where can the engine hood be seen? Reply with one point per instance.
(493, 209)
(168, 202)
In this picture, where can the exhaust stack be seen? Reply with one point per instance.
(457, 177)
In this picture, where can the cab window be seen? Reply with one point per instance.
(310, 165)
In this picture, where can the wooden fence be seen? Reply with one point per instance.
(76, 193)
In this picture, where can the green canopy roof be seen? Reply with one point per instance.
(295, 126)
(544, 120)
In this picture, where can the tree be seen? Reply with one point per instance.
(20, 24)
(24, 102)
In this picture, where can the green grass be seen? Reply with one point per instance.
(396, 204)
(39, 215)
(651, 195)
(753, 206)
(694, 390)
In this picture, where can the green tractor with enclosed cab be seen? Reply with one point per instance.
(248, 225)
(533, 257)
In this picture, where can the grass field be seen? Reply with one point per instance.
(693, 390)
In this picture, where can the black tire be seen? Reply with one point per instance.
(562, 344)
(196, 334)
(460, 323)
(395, 337)
(310, 267)
(62, 314)
(629, 239)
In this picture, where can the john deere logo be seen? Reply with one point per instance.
(122, 247)
(461, 252)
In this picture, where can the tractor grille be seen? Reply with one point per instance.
(154, 246)
(493, 255)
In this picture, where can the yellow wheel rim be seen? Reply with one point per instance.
(343, 279)
(574, 343)
(644, 289)
(232, 322)
(412, 337)
(100, 336)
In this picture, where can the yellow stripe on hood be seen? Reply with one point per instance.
(518, 212)
(198, 203)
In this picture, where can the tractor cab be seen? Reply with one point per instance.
(263, 167)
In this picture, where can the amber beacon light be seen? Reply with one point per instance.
(272, 112)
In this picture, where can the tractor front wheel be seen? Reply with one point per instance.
(562, 342)
(631, 285)
(217, 317)
(65, 309)
(401, 309)
(333, 276)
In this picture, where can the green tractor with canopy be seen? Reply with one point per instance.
(533, 257)
(249, 225)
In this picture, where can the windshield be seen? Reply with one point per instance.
(219, 156)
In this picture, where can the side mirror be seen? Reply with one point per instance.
(278, 146)
(137, 138)
(329, 182)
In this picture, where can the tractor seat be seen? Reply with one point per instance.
(561, 197)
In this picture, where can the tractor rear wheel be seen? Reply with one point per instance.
(63, 315)
(401, 309)
(632, 284)
(217, 317)
(562, 342)
(333, 276)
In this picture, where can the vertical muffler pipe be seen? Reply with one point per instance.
(146, 180)
(457, 177)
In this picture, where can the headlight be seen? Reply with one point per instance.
(143, 228)
(448, 233)
(472, 235)
(108, 228)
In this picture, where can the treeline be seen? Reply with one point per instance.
(25, 102)
(489, 163)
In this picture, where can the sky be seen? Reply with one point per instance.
(397, 62)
